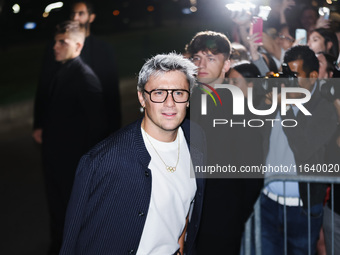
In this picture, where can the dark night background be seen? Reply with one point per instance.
(143, 28)
(135, 33)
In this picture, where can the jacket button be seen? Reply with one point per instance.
(146, 173)
(131, 251)
(140, 214)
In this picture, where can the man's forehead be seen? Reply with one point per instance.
(207, 53)
(161, 74)
(79, 11)
(161, 78)
(315, 35)
(79, 8)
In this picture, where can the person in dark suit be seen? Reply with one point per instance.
(74, 120)
(291, 148)
(133, 193)
(98, 55)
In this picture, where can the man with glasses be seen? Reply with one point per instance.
(278, 46)
(133, 193)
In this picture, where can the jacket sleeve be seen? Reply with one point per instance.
(78, 204)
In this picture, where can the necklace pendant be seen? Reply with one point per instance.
(171, 169)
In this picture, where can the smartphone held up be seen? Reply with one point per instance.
(301, 36)
(324, 11)
(256, 27)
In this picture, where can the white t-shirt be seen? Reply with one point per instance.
(171, 196)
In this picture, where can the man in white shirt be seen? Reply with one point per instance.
(133, 192)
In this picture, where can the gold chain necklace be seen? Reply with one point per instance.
(170, 169)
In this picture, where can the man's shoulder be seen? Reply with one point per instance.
(84, 72)
(82, 67)
(319, 105)
(119, 142)
(324, 103)
(328, 111)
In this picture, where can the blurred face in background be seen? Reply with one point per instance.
(305, 80)
(211, 68)
(235, 78)
(317, 43)
(308, 19)
(285, 39)
(80, 13)
(323, 74)
(66, 47)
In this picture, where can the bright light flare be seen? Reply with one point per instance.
(238, 6)
(323, 11)
(186, 11)
(52, 6)
(264, 12)
(30, 25)
(16, 8)
(193, 9)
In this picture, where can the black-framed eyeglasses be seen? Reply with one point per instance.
(160, 95)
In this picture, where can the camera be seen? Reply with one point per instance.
(276, 80)
(329, 89)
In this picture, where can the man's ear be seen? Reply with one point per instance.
(79, 46)
(313, 76)
(92, 17)
(141, 98)
(226, 66)
(329, 46)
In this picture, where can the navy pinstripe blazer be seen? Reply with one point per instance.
(111, 195)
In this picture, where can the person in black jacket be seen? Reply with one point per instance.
(95, 53)
(134, 193)
(72, 121)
